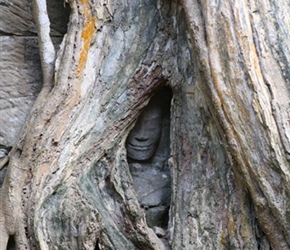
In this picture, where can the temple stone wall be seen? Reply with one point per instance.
(20, 70)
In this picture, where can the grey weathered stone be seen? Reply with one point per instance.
(19, 57)
(152, 184)
(159, 232)
(20, 83)
(16, 17)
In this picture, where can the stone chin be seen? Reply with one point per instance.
(140, 154)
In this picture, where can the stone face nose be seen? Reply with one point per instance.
(141, 133)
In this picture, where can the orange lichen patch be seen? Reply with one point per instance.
(87, 35)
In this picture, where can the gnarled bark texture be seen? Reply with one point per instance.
(68, 184)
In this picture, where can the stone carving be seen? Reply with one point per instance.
(144, 138)
(148, 151)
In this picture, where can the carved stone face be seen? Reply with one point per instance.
(143, 139)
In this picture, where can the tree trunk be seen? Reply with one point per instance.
(68, 183)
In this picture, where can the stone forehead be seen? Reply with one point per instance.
(152, 111)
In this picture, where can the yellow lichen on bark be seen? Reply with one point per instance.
(87, 35)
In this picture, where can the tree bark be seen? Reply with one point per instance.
(68, 183)
(247, 71)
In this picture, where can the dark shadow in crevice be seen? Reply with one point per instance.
(4, 160)
(11, 243)
(58, 13)
(97, 246)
